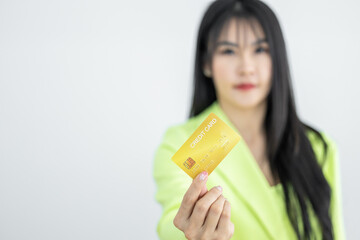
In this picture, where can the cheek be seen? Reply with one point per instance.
(265, 71)
(223, 70)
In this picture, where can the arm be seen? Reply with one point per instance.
(171, 183)
(332, 174)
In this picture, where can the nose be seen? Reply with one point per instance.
(245, 65)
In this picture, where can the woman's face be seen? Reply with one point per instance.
(241, 65)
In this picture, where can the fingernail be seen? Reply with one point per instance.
(219, 187)
(203, 176)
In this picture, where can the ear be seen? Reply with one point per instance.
(207, 70)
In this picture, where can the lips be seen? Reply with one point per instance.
(245, 86)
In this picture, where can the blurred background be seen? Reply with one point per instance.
(88, 88)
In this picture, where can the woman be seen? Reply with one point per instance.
(282, 180)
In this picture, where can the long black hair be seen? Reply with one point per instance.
(291, 156)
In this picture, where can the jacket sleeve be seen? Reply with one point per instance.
(171, 183)
(331, 170)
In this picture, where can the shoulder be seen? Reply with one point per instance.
(325, 149)
(177, 134)
(173, 138)
(321, 142)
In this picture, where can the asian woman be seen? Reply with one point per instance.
(282, 180)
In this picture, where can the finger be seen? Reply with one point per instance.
(225, 224)
(203, 191)
(203, 205)
(215, 211)
(192, 195)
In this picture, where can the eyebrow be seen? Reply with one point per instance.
(227, 43)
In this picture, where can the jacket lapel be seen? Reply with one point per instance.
(241, 172)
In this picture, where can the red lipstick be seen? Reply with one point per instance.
(245, 86)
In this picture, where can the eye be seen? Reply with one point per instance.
(261, 50)
(227, 51)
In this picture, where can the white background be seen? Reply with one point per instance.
(87, 89)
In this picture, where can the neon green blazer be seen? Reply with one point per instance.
(257, 209)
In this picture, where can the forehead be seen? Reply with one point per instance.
(241, 31)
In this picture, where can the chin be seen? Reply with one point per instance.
(248, 104)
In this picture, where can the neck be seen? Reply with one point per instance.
(249, 122)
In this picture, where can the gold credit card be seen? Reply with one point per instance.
(206, 147)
